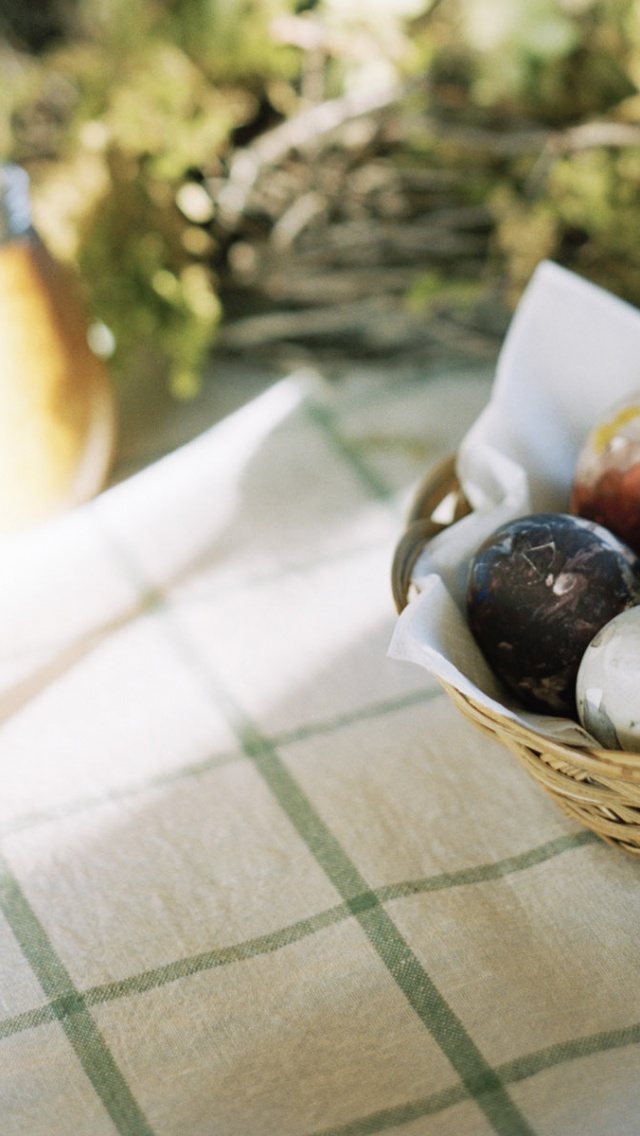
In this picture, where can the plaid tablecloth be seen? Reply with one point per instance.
(256, 878)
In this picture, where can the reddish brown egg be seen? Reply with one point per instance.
(606, 486)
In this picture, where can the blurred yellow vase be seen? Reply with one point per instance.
(57, 410)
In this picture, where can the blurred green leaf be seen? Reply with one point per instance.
(123, 111)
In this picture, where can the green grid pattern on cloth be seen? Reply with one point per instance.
(73, 1004)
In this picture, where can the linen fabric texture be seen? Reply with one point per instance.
(257, 878)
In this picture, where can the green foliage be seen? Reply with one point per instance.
(138, 101)
(435, 290)
(593, 198)
(122, 110)
(553, 60)
(567, 72)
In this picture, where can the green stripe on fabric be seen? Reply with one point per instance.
(29, 1019)
(70, 1010)
(479, 1079)
(520, 1068)
(224, 956)
(276, 940)
(395, 1117)
(420, 991)
(217, 761)
(477, 1076)
(364, 713)
(483, 873)
(365, 472)
(84, 804)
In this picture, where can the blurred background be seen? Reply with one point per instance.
(247, 186)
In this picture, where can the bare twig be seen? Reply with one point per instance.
(586, 136)
(303, 132)
(494, 143)
(330, 226)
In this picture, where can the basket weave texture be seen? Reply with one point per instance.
(600, 789)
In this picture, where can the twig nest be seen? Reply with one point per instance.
(539, 590)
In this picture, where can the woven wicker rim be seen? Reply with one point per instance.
(599, 788)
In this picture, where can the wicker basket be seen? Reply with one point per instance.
(598, 788)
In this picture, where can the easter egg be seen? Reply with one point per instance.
(606, 486)
(539, 589)
(608, 683)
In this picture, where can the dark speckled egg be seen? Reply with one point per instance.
(540, 588)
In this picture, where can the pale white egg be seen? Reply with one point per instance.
(608, 683)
